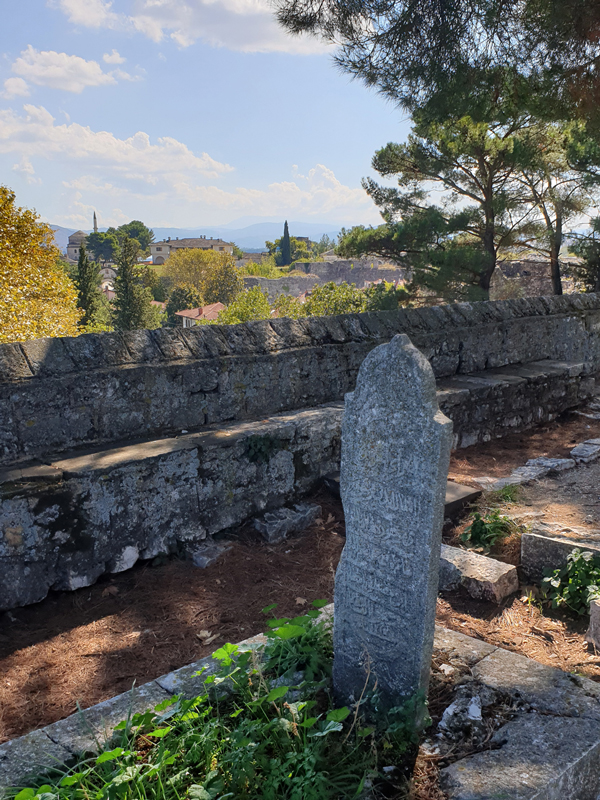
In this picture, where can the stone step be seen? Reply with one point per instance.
(484, 578)
(457, 495)
(542, 549)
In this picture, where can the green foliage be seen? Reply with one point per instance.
(237, 251)
(508, 494)
(587, 247)
(183, 296)
(138, 231)
(88, 287)
(331, 299)
(267, 268)
(483, 533)
(103, 246)
(133, 301)
(385, 297)
(249, 305)
(285, 251)
(259, 449)
(265, 728)
(576, 584)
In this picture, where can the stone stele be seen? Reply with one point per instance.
(395, 458)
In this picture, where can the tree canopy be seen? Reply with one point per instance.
(133, 300)
(214, 274)
(37, 298)
(460, 56)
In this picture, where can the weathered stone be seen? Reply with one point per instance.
(461, 647)
(534, 758)
(535, 469)
(587, 451)
(593, 632)
(89, 730)
(28, 756)
(278, 525)
(457, 497)
(540, 552)
(484, 578)
(208, 552)
(395, 456)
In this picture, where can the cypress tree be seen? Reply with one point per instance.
(133, 301)
(286, 250)
(88, 286)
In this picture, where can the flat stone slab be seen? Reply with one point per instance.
(537, 758)
(541, 551)
(457, 495)
(587, 451)
(22, 758)
(533, 470)
(484, 578)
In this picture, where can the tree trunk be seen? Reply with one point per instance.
(490, 248)
(555, 257)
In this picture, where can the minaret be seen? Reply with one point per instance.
(95, 223)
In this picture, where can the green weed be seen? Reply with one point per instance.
(483, 533)
(266, 727)
(576, 584)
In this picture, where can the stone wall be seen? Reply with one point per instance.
(176, 436)
(60, 394)
(361, 272)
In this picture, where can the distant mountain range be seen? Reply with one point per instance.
(251, 238)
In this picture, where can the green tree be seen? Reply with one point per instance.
(183, 297)
(223, 282)
(286, 251)
(299, 250)
(237, 251)
(587, 247)
(215, 275)
(88, 287)
(385, 296)
(138, 231)
(559, 177)
(37, 298)
(133, 300)
(458, 56)
(323, 245)
(103, 246)
(249, 305)
(473, 165)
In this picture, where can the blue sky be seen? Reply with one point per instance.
(181, 113)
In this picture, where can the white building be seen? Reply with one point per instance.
(160, 251)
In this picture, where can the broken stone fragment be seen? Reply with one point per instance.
(208, 552)
(484, 578)
(275, 526)
(534, 469)
(593, 632)
(587, 451)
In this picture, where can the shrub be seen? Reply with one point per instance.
(576, 584)
(484, 533)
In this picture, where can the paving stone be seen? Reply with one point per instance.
(535, 758)
(27, 756)
(484, 578)
(89, 730)
(540, 552)
(534, 469)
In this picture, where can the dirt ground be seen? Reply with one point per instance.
(86, 646)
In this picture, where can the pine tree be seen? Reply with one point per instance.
(88, 286)
(133, 301)
(286, 249)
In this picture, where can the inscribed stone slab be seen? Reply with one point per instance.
(395, 456)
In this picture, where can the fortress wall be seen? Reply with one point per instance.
(61, 394)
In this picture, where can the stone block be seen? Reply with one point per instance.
(208, 552)
(593, 632)
(534, 469)
(48, 357)
(278, 525)
(461, 647)
(587, 451)
(546, 690)
(484, 578)
(28, 756)
(13, 364)
(534, 758)
(457, 497)
(542, 552)
(89, 730)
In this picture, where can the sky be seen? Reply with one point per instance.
(181, 113)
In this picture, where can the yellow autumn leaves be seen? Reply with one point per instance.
(37, 298)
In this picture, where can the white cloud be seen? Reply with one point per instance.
(244, 25)
(162, 180)
(15, 87)
(113, 58)
(37, 135)
(59, 70)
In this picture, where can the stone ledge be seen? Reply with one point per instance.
(484, 578)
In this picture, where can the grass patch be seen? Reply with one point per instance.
(266, 726)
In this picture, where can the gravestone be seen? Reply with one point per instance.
(395, 457)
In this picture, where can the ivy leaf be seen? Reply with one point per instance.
(277, 693)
